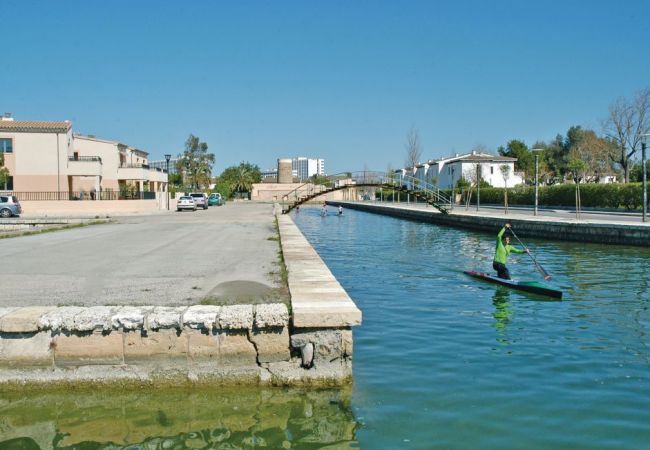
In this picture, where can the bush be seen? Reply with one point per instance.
(626, 196)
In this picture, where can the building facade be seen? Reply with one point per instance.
(161, 164)
(446, 172)
(48, 158)
(307, 167)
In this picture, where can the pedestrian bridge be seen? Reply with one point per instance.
(395, 182)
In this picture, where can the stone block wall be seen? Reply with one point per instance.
(201, 343)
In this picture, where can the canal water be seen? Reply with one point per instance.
(441, 360)
(446, 361)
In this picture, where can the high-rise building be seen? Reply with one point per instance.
(307, 167)
(162, 164)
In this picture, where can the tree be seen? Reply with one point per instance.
(525, 160)
(4, 172)
(595, 152)
(578, 169)
(413, 149)
(196, 163)
(625, 125)
(505, 173)
(175, 179)
(240, 178)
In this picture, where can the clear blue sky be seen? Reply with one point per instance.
(340, 80)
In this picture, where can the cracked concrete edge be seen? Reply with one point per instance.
(286, 373)
(31, 319)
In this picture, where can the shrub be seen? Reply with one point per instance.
(626, 196)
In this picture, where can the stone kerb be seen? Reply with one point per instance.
(317, 298)
(196, 342)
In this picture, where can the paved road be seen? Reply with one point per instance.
(227, 254)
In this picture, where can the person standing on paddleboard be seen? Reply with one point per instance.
(502, 252)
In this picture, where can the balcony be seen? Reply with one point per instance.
(84, 166)
(141, 172)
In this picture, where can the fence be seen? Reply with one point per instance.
(82, 195)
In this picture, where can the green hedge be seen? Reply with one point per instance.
(626, 196)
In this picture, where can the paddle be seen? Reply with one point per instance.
(539, 267)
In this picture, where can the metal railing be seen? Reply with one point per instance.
(134, 166)
(82, 195)
(420, 188)
(85, 158)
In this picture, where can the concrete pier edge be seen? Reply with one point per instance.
(135, 346)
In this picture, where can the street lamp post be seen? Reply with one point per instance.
(453, 191)
(167, 158)
(536, 151)
(478, 186)
(644, 179)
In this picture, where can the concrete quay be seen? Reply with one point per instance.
(306, 340)
(600, 229)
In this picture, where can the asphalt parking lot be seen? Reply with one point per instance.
(223, 255)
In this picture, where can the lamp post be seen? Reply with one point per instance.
(536, 151)
(167, 158)
(453, 191)
(644, 179)
(478, 186)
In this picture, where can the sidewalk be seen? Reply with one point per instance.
(526, 213)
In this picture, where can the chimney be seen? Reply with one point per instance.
(7, 117)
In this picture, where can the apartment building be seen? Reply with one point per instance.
(48, 158)
(306, 167)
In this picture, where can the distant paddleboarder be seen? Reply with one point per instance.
(502, 252)
(340, 210)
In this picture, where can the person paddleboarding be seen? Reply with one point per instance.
(502, 252)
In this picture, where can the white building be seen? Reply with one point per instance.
(447, 171)
(307, 167)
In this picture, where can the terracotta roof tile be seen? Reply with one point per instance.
(23, 126)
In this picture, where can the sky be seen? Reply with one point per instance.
(339, 80)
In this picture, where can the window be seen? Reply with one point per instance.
(6, 145)
(491, 170)
(8, 184)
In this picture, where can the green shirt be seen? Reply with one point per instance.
(503, 251)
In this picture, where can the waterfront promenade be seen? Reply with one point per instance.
(227, 255)
(597, 227)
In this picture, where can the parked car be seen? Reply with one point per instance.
(215, 199)
(200, 199)
(186, 202)
(9, 206)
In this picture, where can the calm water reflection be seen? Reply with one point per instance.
(445, 361)
(233, 418)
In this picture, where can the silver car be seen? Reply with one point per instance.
(186, 202)
(200, 199)
(9, 206)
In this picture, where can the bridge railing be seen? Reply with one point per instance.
(393, 180)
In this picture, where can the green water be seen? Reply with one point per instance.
(441, 360)
(220, 418)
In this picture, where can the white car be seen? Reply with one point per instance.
(186, 202)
